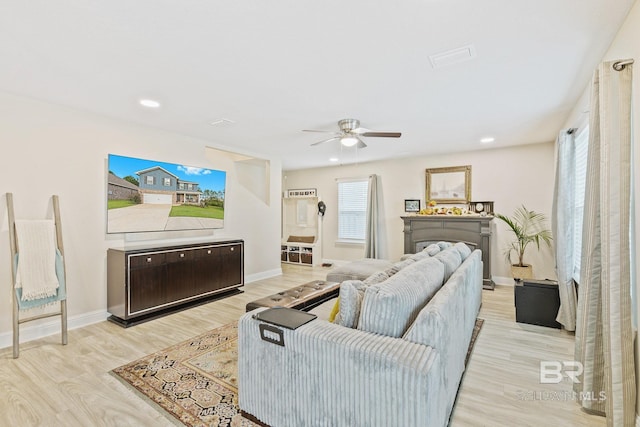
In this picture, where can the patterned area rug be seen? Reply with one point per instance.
(196, 380)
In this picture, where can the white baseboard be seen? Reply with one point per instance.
(637, 420)
(262, 275)
(500, 280)
(51, 327)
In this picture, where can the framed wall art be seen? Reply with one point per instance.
(411, 205)
(449, 185)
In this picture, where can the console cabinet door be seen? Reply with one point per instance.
(231, 266)
(147, 281)
(207, 268)
(180, 278)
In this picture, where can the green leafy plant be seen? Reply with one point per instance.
(528, 227)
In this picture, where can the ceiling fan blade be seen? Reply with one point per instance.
(361, 144)
(321, 131)
(326, 140)
(382, 134)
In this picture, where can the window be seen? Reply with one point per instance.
(352, 210)
(182, 185)
(149, 180)
(167, 182)
(581, 143)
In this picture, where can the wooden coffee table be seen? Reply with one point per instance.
(302, 297)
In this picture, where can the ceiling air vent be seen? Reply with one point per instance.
(453, 56)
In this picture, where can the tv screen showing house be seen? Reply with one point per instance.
(148, 195)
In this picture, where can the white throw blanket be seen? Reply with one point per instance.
(36, 273)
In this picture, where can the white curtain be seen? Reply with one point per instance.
(563, 226)
(604, 335)
(374, 235)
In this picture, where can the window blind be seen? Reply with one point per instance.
(352, 210)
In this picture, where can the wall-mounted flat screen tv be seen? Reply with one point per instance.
(148, 195)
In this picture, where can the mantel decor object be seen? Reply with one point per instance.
(411, 205)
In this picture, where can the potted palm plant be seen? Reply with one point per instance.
(527, 227)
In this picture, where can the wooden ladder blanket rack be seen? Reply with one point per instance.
(14, 243)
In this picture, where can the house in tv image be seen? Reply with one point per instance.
(121, 189)
(159, 186)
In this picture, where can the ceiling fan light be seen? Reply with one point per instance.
(349, 141)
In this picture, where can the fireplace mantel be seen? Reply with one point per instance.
(475, 231)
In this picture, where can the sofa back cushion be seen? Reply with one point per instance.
(451, 260)
(444, 245)
(463, 250)
(419, 256)
(432, 249)
(388, 308)
(398, 266)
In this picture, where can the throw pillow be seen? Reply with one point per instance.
(334, 310)
(351, 292)
(301, 239)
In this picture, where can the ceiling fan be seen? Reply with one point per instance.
(350, 133)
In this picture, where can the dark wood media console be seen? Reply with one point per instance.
(147, 282)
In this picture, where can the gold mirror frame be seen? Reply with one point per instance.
(449, 185)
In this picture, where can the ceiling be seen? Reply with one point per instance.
(275, 68)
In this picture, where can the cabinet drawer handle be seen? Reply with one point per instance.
(233, 249)
(149, 259)
(181, 255)
(209, 251)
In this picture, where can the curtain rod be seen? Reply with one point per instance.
(619, 65)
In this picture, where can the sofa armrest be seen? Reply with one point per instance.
(327, 374)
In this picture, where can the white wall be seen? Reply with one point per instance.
(626, 46)
(508, 176)
(47, 149)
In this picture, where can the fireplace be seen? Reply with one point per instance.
(475, 231)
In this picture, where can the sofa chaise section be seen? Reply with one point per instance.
(329, 375)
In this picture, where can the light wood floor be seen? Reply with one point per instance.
(54, 385)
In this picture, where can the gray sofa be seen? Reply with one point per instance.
(395, 355)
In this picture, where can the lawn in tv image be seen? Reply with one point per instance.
(147, 195)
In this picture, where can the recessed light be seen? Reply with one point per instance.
(221, 121)
(453, 56)
(333, 159)
(487, 139)
(149, 103)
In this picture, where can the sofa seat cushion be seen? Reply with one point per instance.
(388, 308)
(357, 270)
